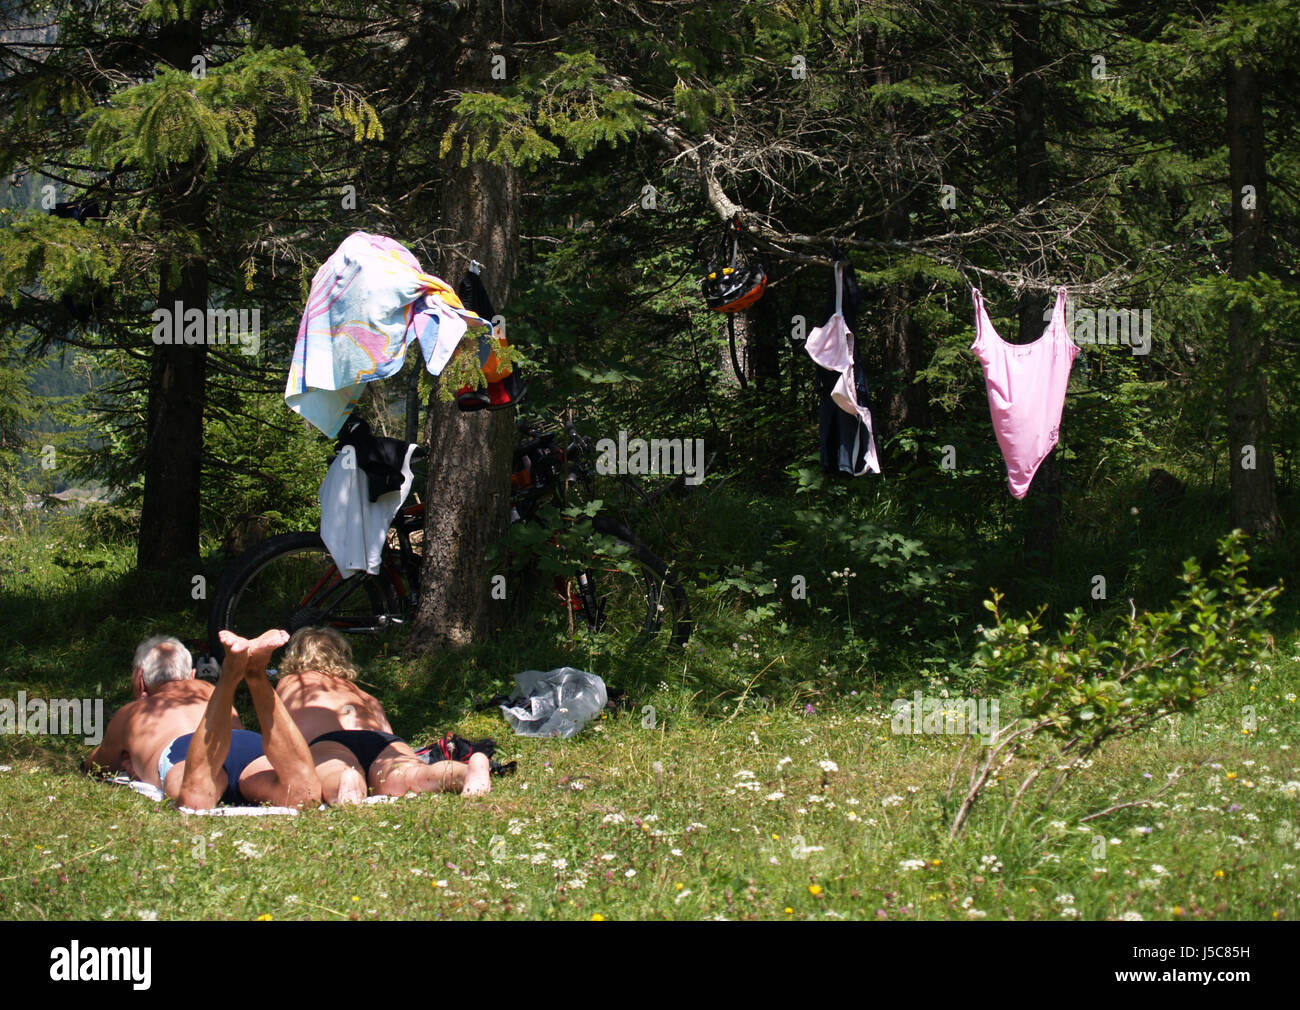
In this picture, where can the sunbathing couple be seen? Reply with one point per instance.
(183, 735)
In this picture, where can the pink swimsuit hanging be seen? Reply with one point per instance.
(1026, 386)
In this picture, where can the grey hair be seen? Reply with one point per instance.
(163, 658)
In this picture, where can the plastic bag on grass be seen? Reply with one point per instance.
(557, 703)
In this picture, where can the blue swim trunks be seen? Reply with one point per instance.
(245, 748)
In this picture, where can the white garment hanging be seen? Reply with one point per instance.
(353, 527)
(833, 346)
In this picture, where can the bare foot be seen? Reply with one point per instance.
(236, 660)
(478, 780)
(352, 787)
(261, 648)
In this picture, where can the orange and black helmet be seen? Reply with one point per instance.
(733, 288)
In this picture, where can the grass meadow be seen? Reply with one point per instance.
(719, 793)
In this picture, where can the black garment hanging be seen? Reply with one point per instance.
(495, 395)
(844, 438)
(379, 457)
(473, 294)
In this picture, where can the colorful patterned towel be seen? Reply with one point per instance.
(367, 302)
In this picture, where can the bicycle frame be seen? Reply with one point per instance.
(554, 470)
(401, 565)
(332, 581)
(407, 521)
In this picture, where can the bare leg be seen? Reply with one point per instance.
(341, 778)
(203, 780)
(401, 775)
(478, 782)
(294, 782)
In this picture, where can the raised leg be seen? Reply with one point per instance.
(202, 780)
(291, 779)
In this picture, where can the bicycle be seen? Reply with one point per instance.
(626, 593)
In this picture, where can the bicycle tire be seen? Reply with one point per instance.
(680, 626)
(380, 598)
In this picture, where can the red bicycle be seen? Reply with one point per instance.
(621, 590)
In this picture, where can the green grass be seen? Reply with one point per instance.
(587, 827)
(741, 818)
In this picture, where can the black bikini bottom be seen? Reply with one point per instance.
(365, 744)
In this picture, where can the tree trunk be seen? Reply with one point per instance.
(905, 400)
(729, 378)
(1033, 182)
(766, 328)
(901, 402)
(1252, 485)
(411, 419)
(173, 453)
(468, 493)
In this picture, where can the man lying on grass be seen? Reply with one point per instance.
(316, 686)
(184, 736)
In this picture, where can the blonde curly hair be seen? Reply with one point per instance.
(323, 650)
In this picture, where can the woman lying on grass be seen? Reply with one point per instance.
(316, 685)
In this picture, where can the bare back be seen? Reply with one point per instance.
(138, 732)
(319, 703)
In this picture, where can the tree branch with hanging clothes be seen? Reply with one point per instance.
(944, 249)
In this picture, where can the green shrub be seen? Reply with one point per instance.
(1086, 688)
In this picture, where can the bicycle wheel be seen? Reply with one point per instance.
(637, 599)
(290, 581)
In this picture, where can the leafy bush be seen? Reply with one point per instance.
(1084, 688)
(896, 577)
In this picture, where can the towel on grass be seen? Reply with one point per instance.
(156, 794)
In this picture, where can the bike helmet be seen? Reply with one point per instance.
(736, 287)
